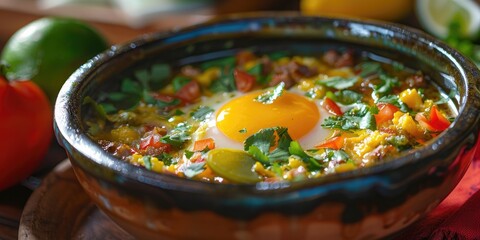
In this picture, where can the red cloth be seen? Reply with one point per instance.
(458, 216)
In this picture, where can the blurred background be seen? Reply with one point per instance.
(121, 20)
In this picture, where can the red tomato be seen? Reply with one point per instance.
(436, 122)
(201, 144)
(154, 141)
(332, 107)
(26, 127)
(385, 112)
(335, 143)
(189, 92)
(243, 80)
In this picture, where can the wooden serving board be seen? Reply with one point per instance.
(60, 209)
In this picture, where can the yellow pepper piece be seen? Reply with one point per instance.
(412, 99)
(345, 167)
(206, 78)
(403, 121)
(124, 134)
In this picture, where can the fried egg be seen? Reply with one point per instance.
(237, 116)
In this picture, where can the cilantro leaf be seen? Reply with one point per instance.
(257, 71)
(178, 136)
(338, 82)
(277, 55)
(221, 63)
(259, 144)
(386, 86)
(99, 109)
(258, 154)
(147, 162)
(296, 149)
(188, 154)
(158, 74)
(355, 118)
(129, 86)
(345, 97)
(369, 68)
(179, 81)
(279, 155)
(194, 169)
(271, 95)
(165, 158)
(201, 113)
(263, 140)
(336, 155)
(163, 104)
(225, 83)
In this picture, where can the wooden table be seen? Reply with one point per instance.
(14, 199)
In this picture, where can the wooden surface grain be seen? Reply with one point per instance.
(60, 209)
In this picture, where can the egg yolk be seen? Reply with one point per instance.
(243, 116)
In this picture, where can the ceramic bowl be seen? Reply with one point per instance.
(367, 203)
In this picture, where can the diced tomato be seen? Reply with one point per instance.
(437, 122)
(385, 112)
(243, 80)
(154, 141)
(335, 143)
(189, 92)
(332, 107)
(201, 144)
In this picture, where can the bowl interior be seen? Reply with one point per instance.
(292, 34)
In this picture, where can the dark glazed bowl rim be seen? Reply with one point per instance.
(67, 114)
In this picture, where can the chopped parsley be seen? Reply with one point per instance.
(163, 103)
(201, 113)
(166, 158)
(358, 117)
(259, 144)
(339, 82)
(147, 162)
(296, 149)
(178, 136)
(270, 96)
(345, 97)
(369, 68)
(194, 169)
(386, 86)
(180, 81)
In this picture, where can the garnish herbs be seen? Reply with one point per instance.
(201, 113)
(178, 136)
(339, 82)
(271, 95)
(358, 117)
(194, 169)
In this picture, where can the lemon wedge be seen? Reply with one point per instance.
(436, 15)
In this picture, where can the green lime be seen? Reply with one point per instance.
(49, 50)
(437, 15)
